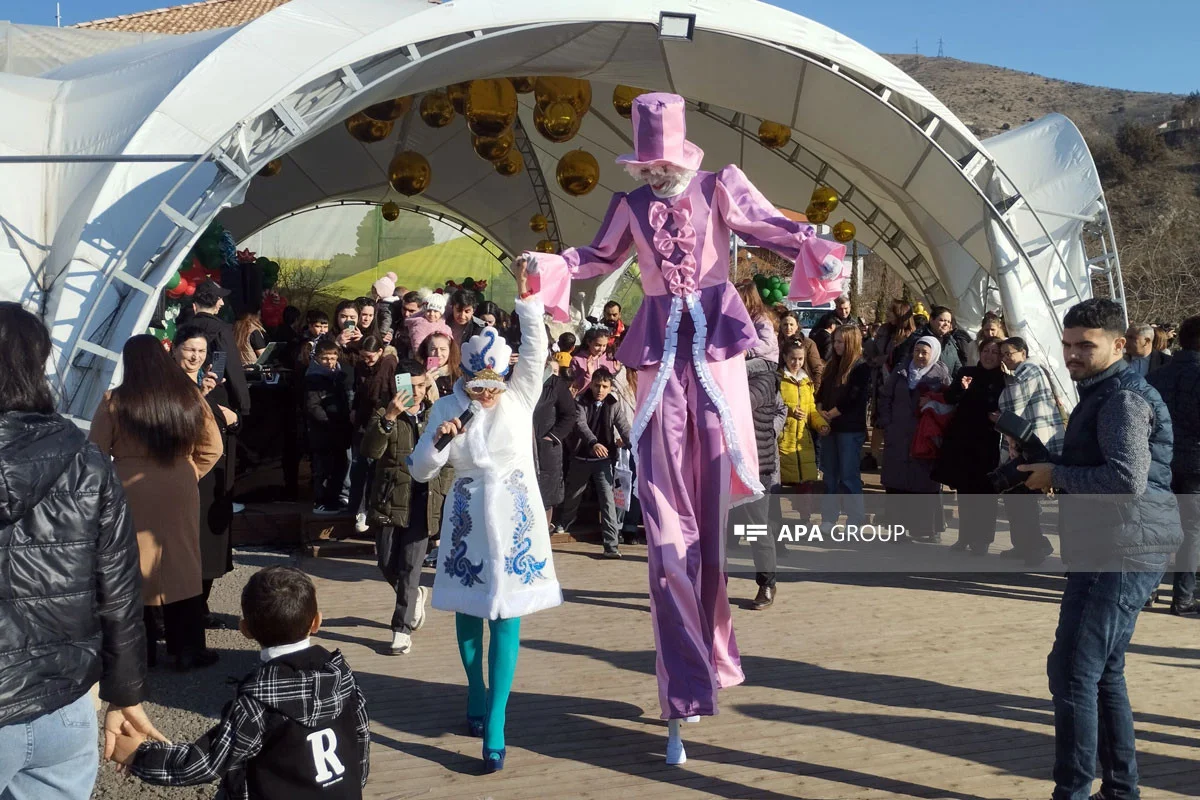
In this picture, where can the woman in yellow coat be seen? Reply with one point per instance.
(797, 456)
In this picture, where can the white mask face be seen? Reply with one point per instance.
(665, 180)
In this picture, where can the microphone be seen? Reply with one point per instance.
(464, 418)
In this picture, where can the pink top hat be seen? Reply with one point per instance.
(660, 133)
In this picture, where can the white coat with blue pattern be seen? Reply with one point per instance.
(494, 560)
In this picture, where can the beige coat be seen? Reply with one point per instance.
(165, 505)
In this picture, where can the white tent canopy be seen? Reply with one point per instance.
(91, 244)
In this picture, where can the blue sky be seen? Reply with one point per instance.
(1148, 45)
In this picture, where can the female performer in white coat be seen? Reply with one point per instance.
(494, 560)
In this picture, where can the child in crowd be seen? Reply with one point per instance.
(383, 292)
(604, 429)
(764, 323)
(428, 322)
(564, 352)
(298, 727)
(594, 356)
(327, 412)
(797, 455)
(316, 327)
(407, 510)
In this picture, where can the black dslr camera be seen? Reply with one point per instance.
(1030, 450)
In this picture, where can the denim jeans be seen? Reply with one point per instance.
(52, 757)
(841, 461)
(1092, 717)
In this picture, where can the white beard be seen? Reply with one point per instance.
(677, 179)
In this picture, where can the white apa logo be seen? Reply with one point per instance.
(324, 753)
(751, 533)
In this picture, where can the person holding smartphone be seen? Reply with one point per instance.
(405, 509)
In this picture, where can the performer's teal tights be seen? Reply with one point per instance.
(502, 665)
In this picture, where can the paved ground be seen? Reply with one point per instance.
(857, 687)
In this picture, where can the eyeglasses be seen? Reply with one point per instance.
(483, 391)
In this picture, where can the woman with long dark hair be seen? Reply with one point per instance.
(71, 614)
(162, 437)
(374, 386)
(842, 400)
(191, 352)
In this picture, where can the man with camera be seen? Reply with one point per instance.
(1118, 524)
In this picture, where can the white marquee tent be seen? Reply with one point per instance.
(117, 158)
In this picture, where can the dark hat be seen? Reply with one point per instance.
(208, 292)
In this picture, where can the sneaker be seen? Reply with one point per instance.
(401, 644)
(764, 598)
(360, 522)
(431, 559)
(612, 552)
(326, 511)
(419, 618)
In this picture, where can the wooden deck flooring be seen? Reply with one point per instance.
(874, 686)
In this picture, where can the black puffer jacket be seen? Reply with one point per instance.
(70, 583)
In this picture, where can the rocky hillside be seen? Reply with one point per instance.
(1152, 181)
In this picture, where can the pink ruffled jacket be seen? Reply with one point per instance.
(420, 329)
(691, 310)
(683, 247)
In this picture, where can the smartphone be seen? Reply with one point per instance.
(218, 364)
(433, 363)
(404, 383)
(350, 325)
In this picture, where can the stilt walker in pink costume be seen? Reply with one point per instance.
(693, 433)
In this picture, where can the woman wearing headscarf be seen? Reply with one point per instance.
(899, 407)
(971, 447)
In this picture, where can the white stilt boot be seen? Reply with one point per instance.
(675, 752)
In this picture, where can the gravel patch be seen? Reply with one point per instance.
(184, 706)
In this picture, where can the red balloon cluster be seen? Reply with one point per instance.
(186, 281)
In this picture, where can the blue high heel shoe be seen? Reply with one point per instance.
(493, 760)
(475, 726)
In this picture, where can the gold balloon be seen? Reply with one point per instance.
(558, 121)
(493, 148)
(390, 211)
(368, 130)
(538, 223)
(575, 91)
(578, 173)
(409, 173)
(511, 164)
(491, 107)
(824, 199)
(436, 109)
(623, 97)
(774, 135)
(844, 231)
(816, 216)
(273, 167)
(544, 246)
(458, 96)
(522, 85)
(389, 110)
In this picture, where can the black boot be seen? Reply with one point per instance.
(764, 598)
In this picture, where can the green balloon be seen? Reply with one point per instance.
(174, 281)
(760, 280)
(777, 296)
